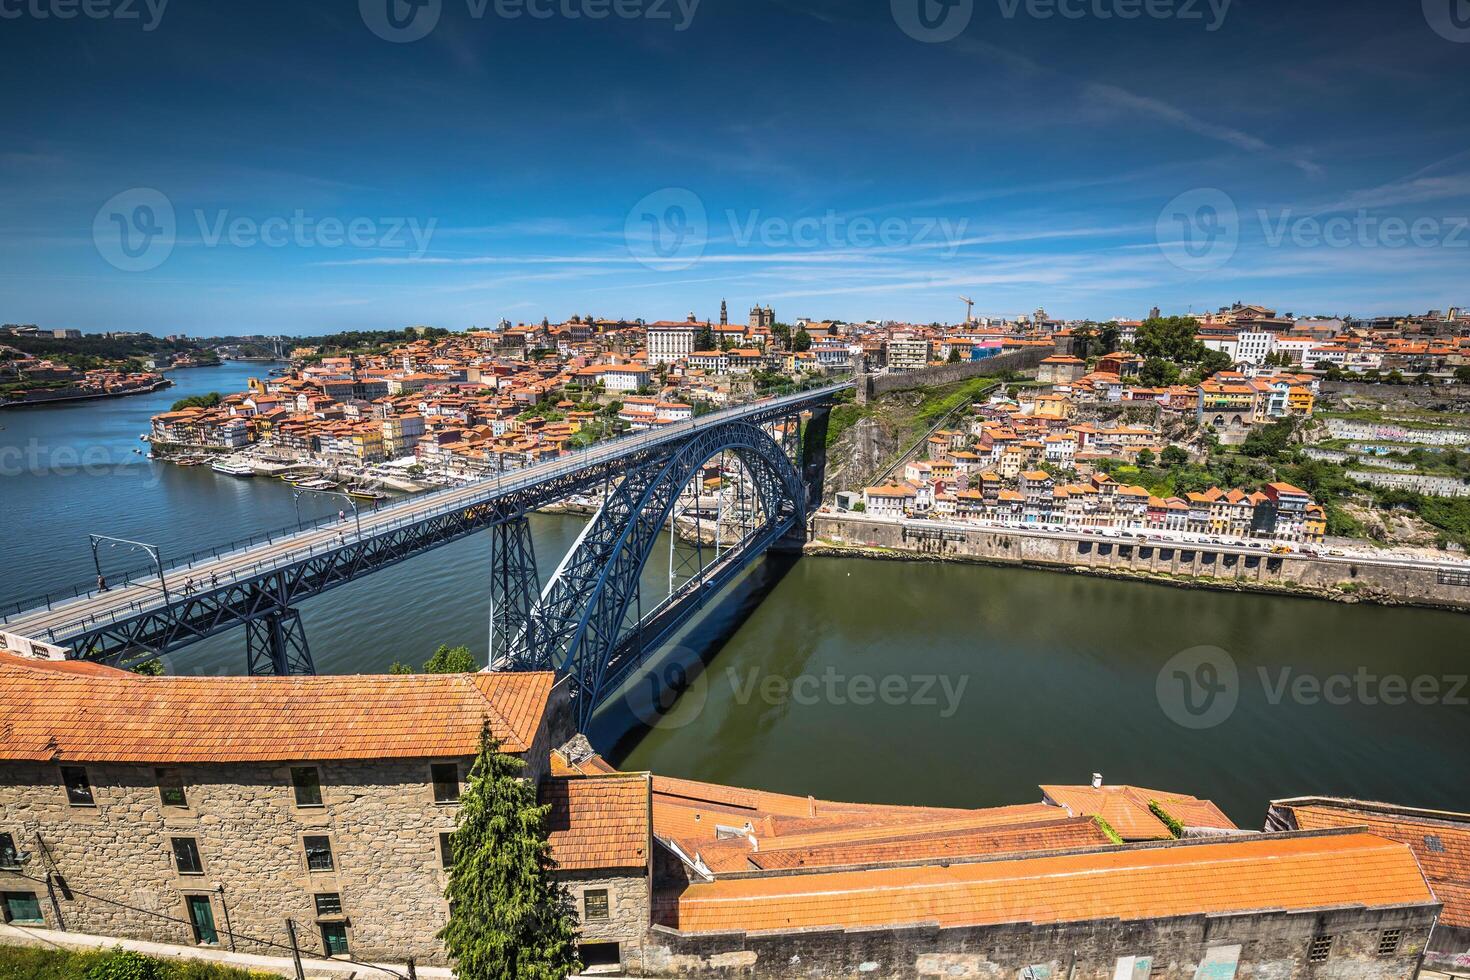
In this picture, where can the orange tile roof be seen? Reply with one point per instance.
(1440, 840)
(903, 845)
(1131, 883)
(1126, 809)
(598, 821)
(72, 712)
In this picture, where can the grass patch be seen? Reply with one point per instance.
(939, 402)
(28, 963)
(1175, 827)
(1107, 829)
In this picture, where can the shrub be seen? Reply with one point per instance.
(124, 964)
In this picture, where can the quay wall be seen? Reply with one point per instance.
(1196, 566)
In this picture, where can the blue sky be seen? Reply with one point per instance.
(279, 166)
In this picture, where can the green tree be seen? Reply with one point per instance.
(509, 919)
(197, 401)
(1170, 337)
(954, 354)
(148, 668)
(1157, 372)
(1146, 457)
(396, 667)
(1173, 456)
(1462, 374)
(704, 338)
(801, 340)
(451, 660)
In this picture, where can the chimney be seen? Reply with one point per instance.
(1097, 780)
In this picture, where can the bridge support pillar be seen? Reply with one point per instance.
(514, 588)
(814, 457)
(275, 645)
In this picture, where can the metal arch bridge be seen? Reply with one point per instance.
(589, 622)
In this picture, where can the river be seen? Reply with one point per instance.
(843, 678)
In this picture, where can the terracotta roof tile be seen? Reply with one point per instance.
(1440, 841)
(1180, 878)
(598, 821)
(74, 712)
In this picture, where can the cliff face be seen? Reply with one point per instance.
(865, 439)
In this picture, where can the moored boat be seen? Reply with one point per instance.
(233, 467)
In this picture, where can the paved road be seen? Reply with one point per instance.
(75, 615)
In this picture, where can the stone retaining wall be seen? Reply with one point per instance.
(1190, 565)
(873, 385)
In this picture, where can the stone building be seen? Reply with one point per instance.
(210, 811)
(196, 810)
(1439, 839)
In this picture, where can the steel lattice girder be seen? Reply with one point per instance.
(276, 645)
(211, 610)
(578, 625)
(514, 583)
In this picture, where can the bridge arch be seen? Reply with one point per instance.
(578, 626)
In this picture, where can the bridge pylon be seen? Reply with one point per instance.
(275, 645)
(515, 586)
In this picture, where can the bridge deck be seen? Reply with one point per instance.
(57, 623)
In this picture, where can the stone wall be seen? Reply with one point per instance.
(1273, 945)
(116, 858)
(1201, 565)
(873, 385)
(117, 874)
(628, 902)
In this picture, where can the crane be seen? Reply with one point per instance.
(969, 309)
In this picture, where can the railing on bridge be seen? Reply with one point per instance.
(224, 588)
(413, 509)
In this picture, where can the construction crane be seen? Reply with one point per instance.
(969, 309)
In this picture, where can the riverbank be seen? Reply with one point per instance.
(1191, 566)
(61, 395)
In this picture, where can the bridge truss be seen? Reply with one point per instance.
(591, 620)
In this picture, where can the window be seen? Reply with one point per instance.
(594, 904)
(22, 908)
(171, 787)
(334, 938)
(9, 856)
(329, 903)
(308, 785)
(1320, 949)
(446, 782)
(186, 856)
(318, 853)
(600, 954)
(201, 918)
(78, 787)
(1388, 942)
(446, 851)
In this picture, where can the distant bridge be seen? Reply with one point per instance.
(590, 621)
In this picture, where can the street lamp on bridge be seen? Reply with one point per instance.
(296, 500)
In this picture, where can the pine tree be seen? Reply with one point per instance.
(509, 918)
